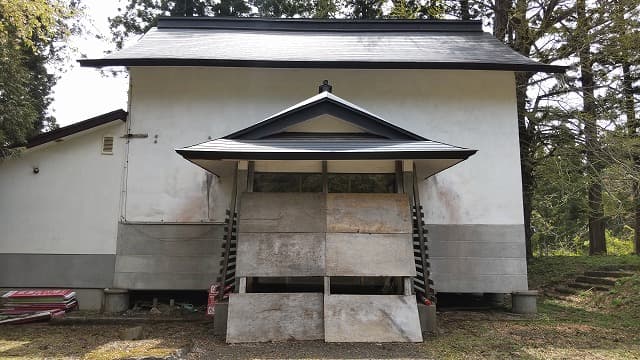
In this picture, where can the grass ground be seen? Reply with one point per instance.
(585, 326)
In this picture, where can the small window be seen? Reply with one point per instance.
(107, 145)
(362, 183)
(287, 182)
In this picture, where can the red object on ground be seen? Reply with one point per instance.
(35, 304)
(214, 290)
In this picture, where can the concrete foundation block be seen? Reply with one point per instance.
(371, 318)
(220, 319)
(115, 300)
(132, 333)
(428, 319)
(90, 299)
(524, 302)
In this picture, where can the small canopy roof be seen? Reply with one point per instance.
(374, 139)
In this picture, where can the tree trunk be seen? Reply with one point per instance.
(464, 10)
(632, 127)
(526, 158)
(597, 244)
(188, 8)
(501, 19)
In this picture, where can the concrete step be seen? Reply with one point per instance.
(556, 295)
(565, 290)
(583, 286)
(595, 280)
(608, 274)
(629, 267)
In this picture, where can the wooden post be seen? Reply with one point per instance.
(242, 285)
(408, 286)
(423, 247)
(229, 234)
(327, 286)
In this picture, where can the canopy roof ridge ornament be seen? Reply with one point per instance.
(325, 87)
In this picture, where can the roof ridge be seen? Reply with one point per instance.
(319, 25)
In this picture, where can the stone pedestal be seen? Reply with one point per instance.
(428, 320)
(115, 300)
(524, 302)
(220, 319)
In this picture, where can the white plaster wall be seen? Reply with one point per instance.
(72, 205)
(184, 106)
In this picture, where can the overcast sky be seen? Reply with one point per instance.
(82, 93)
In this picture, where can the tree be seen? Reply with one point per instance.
(138, 16)
(30, 35)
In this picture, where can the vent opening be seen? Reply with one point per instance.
(107, 145)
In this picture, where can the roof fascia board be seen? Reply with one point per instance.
(333, 25)
(276, 64)
(77, 127)
(324, 106)
(375, 155)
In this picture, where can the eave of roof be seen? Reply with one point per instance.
(305, 43)
(75, 128)
(322, 149)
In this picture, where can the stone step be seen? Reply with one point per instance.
(583, 286)
(608, 274)
(630, 267)
(556, 295)
(595, 280)
(565, 290)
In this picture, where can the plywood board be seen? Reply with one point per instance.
(275, 317)
(369, 255)
(282, 212)
(281, 254)
(371, 318)
(368, 213)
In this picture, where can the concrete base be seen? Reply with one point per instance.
(90, 299)
(428, 319)
(262, 317)
(371, 318)
(116, 300)
(524, 302)
(220, 319)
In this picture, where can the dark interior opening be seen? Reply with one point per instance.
(303, 284)
(367, 285)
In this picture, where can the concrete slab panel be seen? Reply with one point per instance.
(477, 249)
(275, 317)
(369, 255)
(281, 254)
(282, 212)
(371, 318)
(169, 239)
(167, 264)
(477, 232)
(479, 266)
(57, 270)
(368, 213)
(470, 283)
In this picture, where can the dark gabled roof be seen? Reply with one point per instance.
(322, 149)
(321, 104)
(305, 43)
(77, 127)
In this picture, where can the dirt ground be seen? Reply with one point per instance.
(557, 332)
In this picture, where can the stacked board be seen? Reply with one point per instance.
(19, 302)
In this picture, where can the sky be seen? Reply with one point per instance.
(82, 93)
